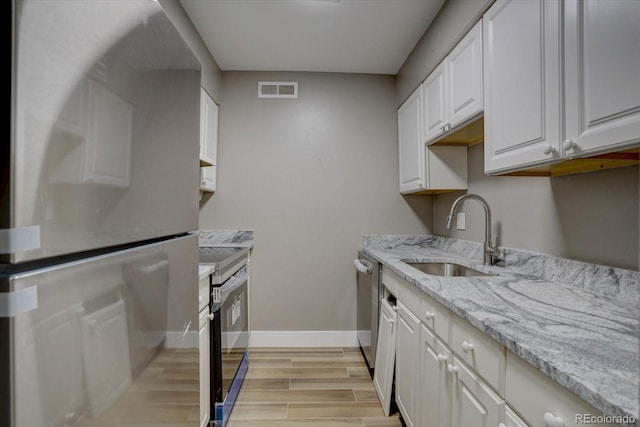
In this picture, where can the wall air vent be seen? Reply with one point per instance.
(277, 89)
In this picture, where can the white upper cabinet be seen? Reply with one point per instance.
(602, 66)
(410, 144)
(435, 104)
(533, 57)
(521, 83)
(208, 142)
(422, 168)
(452, 94)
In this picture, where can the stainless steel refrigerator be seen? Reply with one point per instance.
(98, 260)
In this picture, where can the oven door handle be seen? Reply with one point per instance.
(361, 267)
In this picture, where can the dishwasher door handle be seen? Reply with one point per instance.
(361, 267)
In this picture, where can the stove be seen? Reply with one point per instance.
(225, 260)
(229, 341)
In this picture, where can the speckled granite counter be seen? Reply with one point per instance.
(575, 322)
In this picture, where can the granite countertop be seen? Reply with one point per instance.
(584, 340)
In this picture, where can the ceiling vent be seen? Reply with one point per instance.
(277, 89)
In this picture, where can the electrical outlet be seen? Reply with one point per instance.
(460, 221)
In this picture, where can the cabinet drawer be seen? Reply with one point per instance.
(533, 395)
(480, 352)
(436, 316)
(429, 311)
(403, 290)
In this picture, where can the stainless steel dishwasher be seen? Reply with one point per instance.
(368, 306)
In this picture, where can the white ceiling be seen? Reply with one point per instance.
(348, 36)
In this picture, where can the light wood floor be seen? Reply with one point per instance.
(315, 387)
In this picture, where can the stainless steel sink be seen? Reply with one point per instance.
(445, 269)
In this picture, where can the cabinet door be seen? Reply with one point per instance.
(208, 142)
(435, 103)
(205, 392)
(407, 362)
(385, 355)
(208, 129)
(107, 360)
(464, 78)
(107, 157)
(473, 404)
(434, 382)
(602, 65)
(511, 419)
(521, 84)
(411, 150)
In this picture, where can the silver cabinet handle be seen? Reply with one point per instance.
(568, 144)
(361, 267)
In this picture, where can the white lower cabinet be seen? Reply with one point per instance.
(407, 362)
(434, 382)
(473, 403)
(511, 419)
(385, 355)
(457, 376)
(205, 393)
(541, 401)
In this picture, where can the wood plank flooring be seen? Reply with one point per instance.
(315, 387)
(165, 394)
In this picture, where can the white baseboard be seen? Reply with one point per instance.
(180, 340)
(303, 339)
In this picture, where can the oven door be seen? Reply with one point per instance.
(231, 330)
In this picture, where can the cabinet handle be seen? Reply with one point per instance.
(467, 347)
(210, 316)
(395, 308)
(452, 369)
(448, 126)
(441, 357)
(553, 421)
(548, 149)
(429, 314)
(568, 144)
(502, 425)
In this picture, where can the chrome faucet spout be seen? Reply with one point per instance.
(490, 251)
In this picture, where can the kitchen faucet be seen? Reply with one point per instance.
(490, 251)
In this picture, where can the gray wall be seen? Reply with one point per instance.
(454, 20)
(211, 78)
(310, 176)
(590, 217)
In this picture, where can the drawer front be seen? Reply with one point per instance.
(541, 400)
(436, 316)
(407, 293)
(480, 352)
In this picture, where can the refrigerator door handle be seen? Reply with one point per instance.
(19, 239)
(17, 302)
